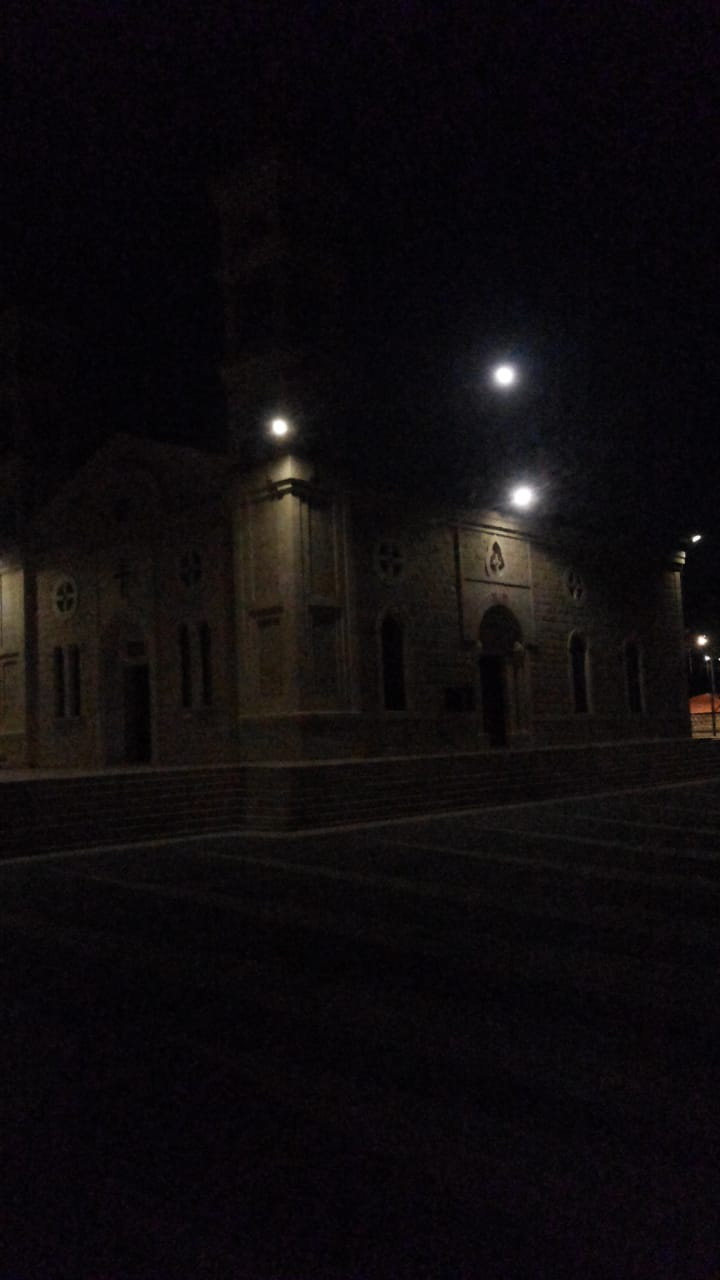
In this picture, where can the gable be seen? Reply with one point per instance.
(126, 492)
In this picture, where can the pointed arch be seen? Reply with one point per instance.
(499, 631)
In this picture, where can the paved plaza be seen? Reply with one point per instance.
(472, 1046)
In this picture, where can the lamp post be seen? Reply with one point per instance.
(709, 657)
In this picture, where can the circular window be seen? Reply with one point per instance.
(575, 585)
(65, 597)
(190, 568)
(389, 561)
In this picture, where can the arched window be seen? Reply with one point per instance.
(185, 667)
(577, 649)
(59, 681)
(392, 644)
(72, 693)
(633, 677)
(66, 681)
(206, 682)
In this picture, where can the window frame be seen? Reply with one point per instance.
(575, 639)
(640, 709)
(67, 682)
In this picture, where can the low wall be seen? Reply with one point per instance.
(55, 811)
(323, 793)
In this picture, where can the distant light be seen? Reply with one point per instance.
(707, 657)
(504, 375)
(697, 537)
(522, 496)
(702, 641)
(279, 427)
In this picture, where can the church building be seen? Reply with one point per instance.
(170, 605)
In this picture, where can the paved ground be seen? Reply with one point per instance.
(473, 1046)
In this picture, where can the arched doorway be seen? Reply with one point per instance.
(501, 657)
(126, 695)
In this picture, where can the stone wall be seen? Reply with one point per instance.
(405, 567)
(122, 568)
(13, 639)
(440, 579)
(611, 606)
(282, 618)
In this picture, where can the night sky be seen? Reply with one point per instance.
(528, 180)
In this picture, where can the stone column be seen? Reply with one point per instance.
(290, 582)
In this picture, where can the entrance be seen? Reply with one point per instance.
(492, 691)
(501, 675)
(136, 709)
(126, 694)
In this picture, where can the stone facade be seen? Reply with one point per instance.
(171, 606)
(174, 606)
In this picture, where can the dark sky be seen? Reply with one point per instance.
(539, 180)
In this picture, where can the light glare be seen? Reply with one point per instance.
(522, 496)
(279, 427)
(702, 641)
(504, 375)
(696, 537)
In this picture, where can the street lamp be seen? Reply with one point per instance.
(523, 496)
(504, 375)
(702, 642)
(279, 427)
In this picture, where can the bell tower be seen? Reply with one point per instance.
(282, 294)
(35, 408)
(25, 400)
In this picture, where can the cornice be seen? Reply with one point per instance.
(293, 487)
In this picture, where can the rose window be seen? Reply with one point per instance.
(389, 561)
(65, 597)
